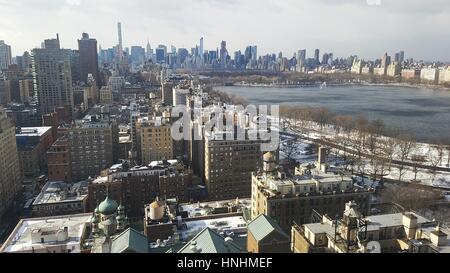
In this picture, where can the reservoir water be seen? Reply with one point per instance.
(422, 112)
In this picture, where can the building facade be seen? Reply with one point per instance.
(53, 78)
(10, 174)
(5, 55)
(288, 199)
(229, 165)
(91, 147)
(155, 139)
(87, 48)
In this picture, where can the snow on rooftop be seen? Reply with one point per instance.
(227, 225)
(20, 238)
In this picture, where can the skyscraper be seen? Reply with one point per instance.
(119, 34)
(53, 77)
(88, 58)
(5, 55)
(10, 175)
(401, 56)
(119, 57)
(316, 56)
(160, 55)
(385, 61)
(137, 55)
(223, 53)
(201, 49)
(149, 51)
(254, 53)
(75, 66)
(301, 57)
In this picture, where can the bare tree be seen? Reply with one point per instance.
(361, 127)
(409, 197)
(290, 149)
(322, 116)
(343, 123)
(434, 158)
(406, 144)
(303, 117)
(388, 148)
(448, 155)
(417, 160)
(440, 148)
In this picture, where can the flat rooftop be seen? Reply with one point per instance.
(58, 192)
(205, 208)
(390, 220)
(20, 239)
(33, 131)
(319, 228)
(444, 248)
(226, 226)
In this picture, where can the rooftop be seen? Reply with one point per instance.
(130, 240)
(206, 208)
(20, 239)
(57, 192)
(262, 226)
(209, 241)
(320, 228)
(32, 131)
(377, 222)
(226, 226)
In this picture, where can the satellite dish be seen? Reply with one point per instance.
(373, 247)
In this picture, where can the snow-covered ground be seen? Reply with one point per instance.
(312, 130)
(301, 154)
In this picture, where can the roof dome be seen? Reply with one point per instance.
(96, 210)
(108, 206)
(269, 156)
(95, 220)
(120, 217)
(157, 204)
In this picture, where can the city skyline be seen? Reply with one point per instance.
(184, 24)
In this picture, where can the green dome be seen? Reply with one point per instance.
(95, 220)
(108, 206)
(96, 210)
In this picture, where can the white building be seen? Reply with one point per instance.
(5, 55)
(180, 96)
(55, 234)
(429, 74)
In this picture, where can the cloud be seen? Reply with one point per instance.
(374, 2)
(73, 2)
(364, 27)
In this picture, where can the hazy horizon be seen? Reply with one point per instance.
(366, 28)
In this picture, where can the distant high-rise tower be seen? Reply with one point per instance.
(120, 58)
(52, 43)
(254, 53)
(301, 56)
(401, 56)
(88, 58)
(5, 55)
(385, 61)
(149, 51)
(201, 49)
(53, 77)
(316, 56)
(223, 53)
(119, 33)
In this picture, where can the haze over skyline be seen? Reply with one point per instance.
(366, 28)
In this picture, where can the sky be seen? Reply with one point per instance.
(366, 28)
